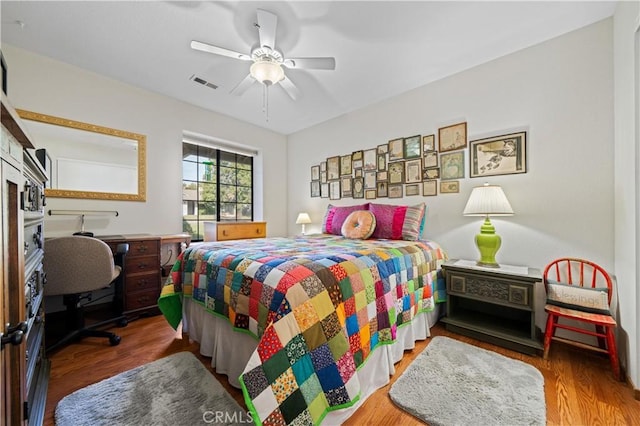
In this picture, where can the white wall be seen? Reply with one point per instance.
(627, 180)
(39, 84)
(560, 91)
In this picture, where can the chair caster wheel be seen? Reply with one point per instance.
(114, 340)
(123, 322)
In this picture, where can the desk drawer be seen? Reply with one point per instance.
(137, 264)
(491, 289)
(141, 299)
(143, 248)
(137, 282)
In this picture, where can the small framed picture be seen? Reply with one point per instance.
(315, 188)
(345, 165)
(356, 157)
(370, 160)
(381, 176)
(428, 143)
(396, 172)
(413, 189)
(382, 189)
(498, 155)
(323, 166)
(430, 159)
(430, 188)
(413, 171)
(358, 187)
(382, 162)
(333, 168)
(357, 172)
(345, 186)
(452, 137)
(452, 165)
(383, 149)
(412, 147)
(432, 173)
(395, 191)
(334, 190)
(323, 177)
(449, 187)
(324, 190)
(396, 149)
(369, 180)
(315, 172)
(370, 194)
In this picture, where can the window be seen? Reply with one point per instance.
(216, 186)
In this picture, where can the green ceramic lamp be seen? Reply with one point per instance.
(488, 200)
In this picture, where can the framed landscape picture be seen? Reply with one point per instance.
(498, 155)
(452, 137)
(449, 187)
(412, 147)
(413, 189)
(395, 191)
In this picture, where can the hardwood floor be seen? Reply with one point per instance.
(579, 386)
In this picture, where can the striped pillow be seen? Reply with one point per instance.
(398, 222)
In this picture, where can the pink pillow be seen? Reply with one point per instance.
(359, 225)
(335, 217)
(397, 222)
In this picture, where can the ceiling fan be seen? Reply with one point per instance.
(267, 60)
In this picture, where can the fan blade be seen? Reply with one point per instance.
(209, 48)
(290, 88)
(311, 63)
(267, 23)
(243, 85)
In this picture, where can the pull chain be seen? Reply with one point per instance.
(265, 101)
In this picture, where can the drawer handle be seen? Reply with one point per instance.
(224, 232)
(258, 231)
(143, 299)
(142, 265)
(142, 249)
(142, 282)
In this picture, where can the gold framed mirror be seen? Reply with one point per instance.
(88, 161)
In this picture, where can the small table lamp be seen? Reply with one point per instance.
(303, 219)
(488, 200)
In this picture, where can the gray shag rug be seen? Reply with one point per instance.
(176, 390)
(453, 383)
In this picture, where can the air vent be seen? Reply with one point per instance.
(203, 81)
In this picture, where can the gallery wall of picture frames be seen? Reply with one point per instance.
(418, 165)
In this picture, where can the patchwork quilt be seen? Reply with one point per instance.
(317, 305)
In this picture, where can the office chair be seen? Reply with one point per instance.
(74, 267)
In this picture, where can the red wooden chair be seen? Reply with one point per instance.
(587, 275)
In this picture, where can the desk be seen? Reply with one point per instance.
(142, 270)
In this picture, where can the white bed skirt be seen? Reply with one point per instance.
(230, 351)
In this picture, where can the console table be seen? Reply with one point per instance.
(142, 271)
(496, 305)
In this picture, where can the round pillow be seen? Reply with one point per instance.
(360, 224)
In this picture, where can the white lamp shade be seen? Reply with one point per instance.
(266, 72)
(487, 200)
(303, 218)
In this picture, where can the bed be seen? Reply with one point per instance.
(310, 326)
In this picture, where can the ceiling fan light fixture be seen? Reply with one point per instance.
(266, 71)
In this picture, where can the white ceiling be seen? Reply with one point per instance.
(382, 48)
